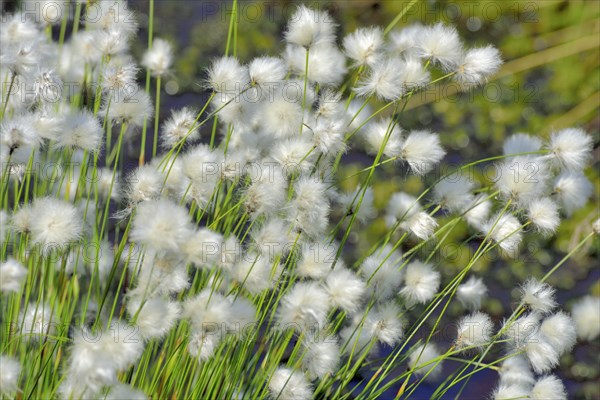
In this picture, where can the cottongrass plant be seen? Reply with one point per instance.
(219, 268)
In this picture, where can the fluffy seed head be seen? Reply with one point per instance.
(505, 230)
(454, 193)
(308, 27)
(383, 277)
(544, 215)
(441, 44)
(420, 283)
(375, 137)
(54, 223)
(81, 130)
(155, 316)
(586, 314)
(160, 225)
(326, 63)
(304, 307)
(130, 106)
(471, 293)
(509, 392)
(523, 178)
(422, 151)
(541, 354)
(474, 330)
(181, 125)
(288, 384)
(538, 296)
(421, 361)
(12, 274)
(363, 45)
(548, 387)
(10, 370)
(521, 143)
(266, 70)
(383, 80)
(559, 330)
(322, 356)
(159, 57)
(385, 324)
(478, 65)
(226, 75)
(345, 289)
(571, 148)
(572, 191)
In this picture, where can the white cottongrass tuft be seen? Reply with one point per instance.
(571, 148)
(422, 151)
(180, 126)
(471, 293)
(81, 130)
(477, 212)
(421, 283)
(521, 330)
(130, 106)
(10, 370)
(559, 330)
(595, 227)
(255, 273)
(159, 58)
(572, 191)
(382, 80)
(54, 223)
(122, 391)
(542, 355)
(12, 275)
(326, 63)
(382, 276)
(538, 296)
(266, 70)
(522, 179)
(316, 260)
(227, 76)
(345, 289)
(454, 193)
(154, 317)
(385, 323)
(521, 143)
(160, 225)
(309, 209)
(441, 44)
(349, 201)
(403, 41)
(321, 355)
(543, 213)
(364, 45)
(515, 370)
(144, 184)
(586, 314)
(304, 307)
(474, 330)
(510, 392)
(405, 210)
(548, 387)
(478, 65)
(422, 225)
(288, 384)
(308, 27)
(421, 361)
(383, 134)
(37, 321)
(506, 230)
